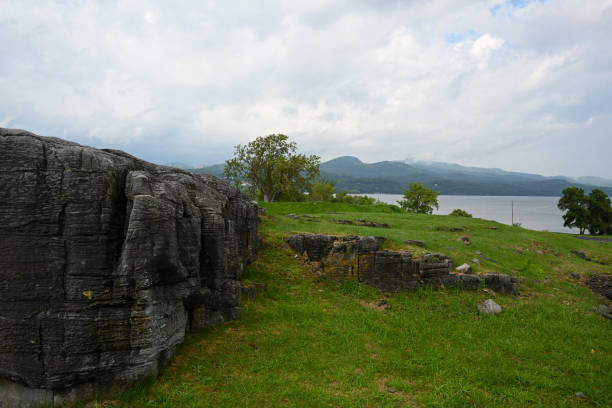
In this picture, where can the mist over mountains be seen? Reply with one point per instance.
(392, 177)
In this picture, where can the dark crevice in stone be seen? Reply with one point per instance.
(61, 220)
(41, 348)
(59, 288)
(45, 159)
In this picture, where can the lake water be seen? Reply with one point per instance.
(537, 213)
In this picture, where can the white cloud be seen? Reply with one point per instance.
(485, 45)
(342, 77)
(544, 72)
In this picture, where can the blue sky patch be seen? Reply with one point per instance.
(513, 4)
(453, 38)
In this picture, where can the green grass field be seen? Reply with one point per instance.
(310, 342)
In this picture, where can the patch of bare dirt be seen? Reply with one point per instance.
(382, 304)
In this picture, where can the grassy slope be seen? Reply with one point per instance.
(311, 342)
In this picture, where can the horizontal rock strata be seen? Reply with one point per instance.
(360, 258)
(105, 261)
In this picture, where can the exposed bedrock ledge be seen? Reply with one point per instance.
(105, 261)
(360, 258)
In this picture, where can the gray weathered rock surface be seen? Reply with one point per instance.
(601, 284)
(105, 261)
(415, 242)
(580, 395)
(489, 307)
(465, 268)
(605, 311)
(508, 285)
(360, 258)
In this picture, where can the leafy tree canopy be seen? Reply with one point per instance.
(600, 212)
(574, 203)
(269, 166)
(592, 212)
(419, 199)
(322, 191)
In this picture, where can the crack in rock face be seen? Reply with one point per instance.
(105, 261)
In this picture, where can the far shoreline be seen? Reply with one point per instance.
(538, 213)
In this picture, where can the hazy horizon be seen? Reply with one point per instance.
(406, 161)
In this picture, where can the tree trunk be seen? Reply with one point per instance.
(269, 196)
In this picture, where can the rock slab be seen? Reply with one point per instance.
(360, 258)
(601, 284)
(489, 307)
(465, 268)
(105, 262)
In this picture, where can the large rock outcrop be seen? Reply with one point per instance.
(361, 259)
(105, 261)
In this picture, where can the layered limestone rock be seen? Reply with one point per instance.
(105, 261)
(360, 258)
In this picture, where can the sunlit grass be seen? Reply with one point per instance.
(310, 342)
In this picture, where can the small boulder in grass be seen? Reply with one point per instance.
(415, 242)
(580, 395)
(489, 307)
(605, 311)
(465, 268)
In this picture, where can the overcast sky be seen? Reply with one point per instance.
(520, 85)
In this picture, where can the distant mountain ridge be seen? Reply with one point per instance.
(595, 181)
(215, 170)
(393, 177)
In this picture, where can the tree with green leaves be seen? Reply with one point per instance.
(322, 191)
(600, 212)
(419, 199)
(270, 167)
(575, 204)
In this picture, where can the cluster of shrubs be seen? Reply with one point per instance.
(326, 191)
(460, 213)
